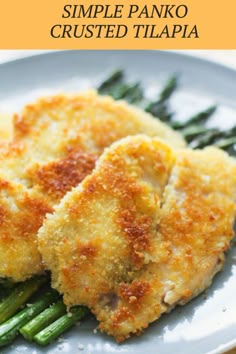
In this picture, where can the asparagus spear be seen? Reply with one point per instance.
(207, 139)
(63, 323)
(198, 118)
(159, 108)
(19, 296)
(134, 93)
(222, 139)
(44, 319)
(120, 91)
(226, 143)
(10, 328)
(193, 131)
(230, 133)
(168, 88)
(112, 81)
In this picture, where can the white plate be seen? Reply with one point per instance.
(208, 323)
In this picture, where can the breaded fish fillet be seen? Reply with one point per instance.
(56, 143)
(145, 231)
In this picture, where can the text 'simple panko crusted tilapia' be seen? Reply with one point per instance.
(56, 143)
(145, 231)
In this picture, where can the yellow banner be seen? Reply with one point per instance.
(120, 24)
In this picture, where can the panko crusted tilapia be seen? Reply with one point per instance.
(147, 230)
(56, 143)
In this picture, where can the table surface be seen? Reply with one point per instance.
(225, 57)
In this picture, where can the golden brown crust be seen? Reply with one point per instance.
(119, 203)
(144, 232)
(134, 292)
(59, 176)
(88, 116)
(56, 143)
(21, 215)
(66, 134)
(137, 231)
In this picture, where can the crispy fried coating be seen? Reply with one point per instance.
(56, 143)
(66, 134)
(145, 231)
(22, 211)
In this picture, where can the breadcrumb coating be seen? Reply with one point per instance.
(147, 230)
(56, 142)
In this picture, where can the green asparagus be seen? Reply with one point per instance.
(58, 327)
(226, 143)
(44, 319)
(10, 328)
(19, 295)
(198, 118)
(193, 131)
(206, 139)
(168, 88)
(112, 81)
(159, 108)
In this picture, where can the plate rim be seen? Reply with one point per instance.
(179, 54)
